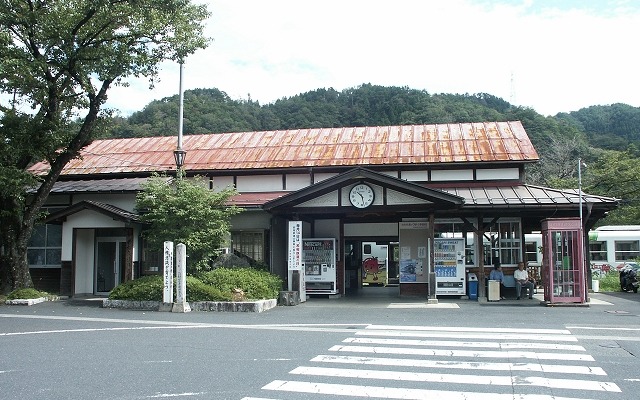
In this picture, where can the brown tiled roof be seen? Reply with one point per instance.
(322, 147)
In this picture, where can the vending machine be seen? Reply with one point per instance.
(319, 257)
(449, 266)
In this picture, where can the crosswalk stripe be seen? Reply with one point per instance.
(458, 329)
(485, 366)
(398, 393)
(513, 380)
(463, 353)
(458, 344)
(467, 335)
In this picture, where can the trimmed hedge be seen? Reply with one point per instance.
(256, 284)
(216, 285)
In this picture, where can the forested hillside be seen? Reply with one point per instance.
(605, 137)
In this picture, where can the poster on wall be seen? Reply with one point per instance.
(409, 270)
(414, 252)
(295, 245)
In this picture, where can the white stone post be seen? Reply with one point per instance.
(181, 304)
(167, 295)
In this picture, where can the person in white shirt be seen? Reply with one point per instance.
(522, 279)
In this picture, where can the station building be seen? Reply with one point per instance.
(417, 207)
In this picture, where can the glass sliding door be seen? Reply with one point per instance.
(109, 264)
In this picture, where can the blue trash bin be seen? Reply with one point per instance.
(472, 284)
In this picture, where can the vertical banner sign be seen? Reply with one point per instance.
(167, 295)
(295, 245)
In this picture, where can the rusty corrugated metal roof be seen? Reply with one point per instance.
(321, 147)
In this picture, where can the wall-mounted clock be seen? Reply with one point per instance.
(361, 195)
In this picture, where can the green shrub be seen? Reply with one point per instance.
(26, 293)
(151, 288)
(610, 282)
(147, 288)
(200, 291)
(255, 284)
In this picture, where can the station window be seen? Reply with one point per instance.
(456, 229)
(503, 241)
(598, 251)
(532, 252)
(626, 250)
(45, 246)
(250, 244)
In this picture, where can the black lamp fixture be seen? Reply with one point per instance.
(179, 155)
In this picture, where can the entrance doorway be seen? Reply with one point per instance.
(371, 263)
(109, 263)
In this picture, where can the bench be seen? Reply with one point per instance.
(509, 283)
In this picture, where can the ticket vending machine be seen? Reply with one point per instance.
(563, 261)
(319, 258)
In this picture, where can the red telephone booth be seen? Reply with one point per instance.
(563, 261)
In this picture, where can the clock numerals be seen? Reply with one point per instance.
(361, 196)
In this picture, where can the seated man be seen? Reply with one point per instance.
(522, 279)
(497, 275)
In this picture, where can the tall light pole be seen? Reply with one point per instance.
(179, 154)
(586, 271)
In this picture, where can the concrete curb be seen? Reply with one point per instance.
(25, 302)
(220, 306)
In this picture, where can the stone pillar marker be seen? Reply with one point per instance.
(181, 304)
(167, 294)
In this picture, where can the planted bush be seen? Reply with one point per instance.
(217, 286)
(200, 291)
(147, 288)
(255, 284)
(26, 293)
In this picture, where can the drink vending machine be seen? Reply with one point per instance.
(449, 266)
(319, 258)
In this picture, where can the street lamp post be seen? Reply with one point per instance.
(179, 154)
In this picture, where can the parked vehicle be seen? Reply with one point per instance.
(629, 279)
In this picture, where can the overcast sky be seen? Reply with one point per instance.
(552, 56)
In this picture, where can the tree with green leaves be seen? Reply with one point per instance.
(58, 60)
(615, 174)
(186, 211)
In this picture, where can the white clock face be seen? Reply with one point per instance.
(361, 195)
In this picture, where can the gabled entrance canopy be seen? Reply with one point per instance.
(331, 196)
(118, 214)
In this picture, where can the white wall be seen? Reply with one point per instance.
(497, 174)
(251, 220)
(259, 183)
(85, 259)
(84, 219)
(452, 175)
(371, 229)
(327, 228)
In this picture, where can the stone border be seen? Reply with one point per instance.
(220, 306)
(25, 302)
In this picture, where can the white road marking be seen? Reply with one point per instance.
(486, 366)
(513, 380)
(603, 328)
(463, 353)
(399, 393)
(467, 335)
(460, 329)
(163, 395)
(423, 305)
(458, 344)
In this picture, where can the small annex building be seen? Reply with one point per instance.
(383, 205)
